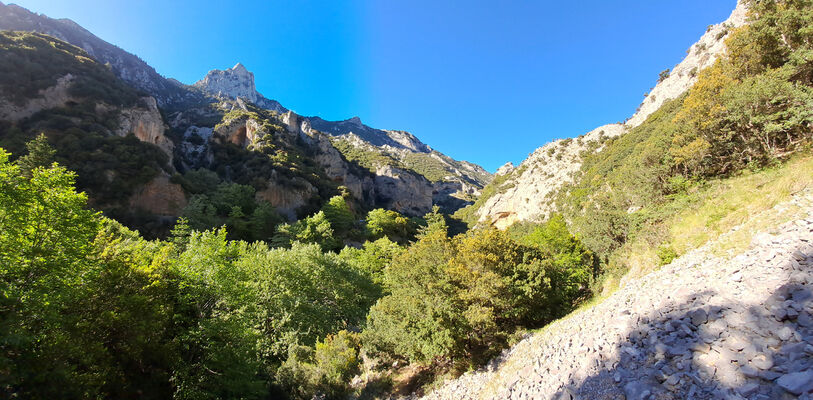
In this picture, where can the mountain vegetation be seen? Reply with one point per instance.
(239, 300)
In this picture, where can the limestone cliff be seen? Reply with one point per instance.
(236, 82)
(146, 123)
(525, 193)
(54, 96)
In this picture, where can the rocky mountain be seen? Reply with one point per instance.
(451, 183)
(221, 124)
(236, 82)
(126, 66)
(526, 192)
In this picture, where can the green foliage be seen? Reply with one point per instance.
(663, 75)
(325, 370)
(459, 299)
(305, 294)
(40, 154)
(666, 254)
(31, 62)
(338, 213)
(315, 229)
(427, 165)
(390, 224)
(372, 259)
(364, 157)
(232, 205)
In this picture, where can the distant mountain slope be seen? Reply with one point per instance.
(453, 183)
(525, 193)
(126, 66)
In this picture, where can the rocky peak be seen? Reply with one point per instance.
(235, 82)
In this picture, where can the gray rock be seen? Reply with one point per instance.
(699, 317)
(638, 390)
(748, 389)
(805, 319)
(797, 382)
(785, 333)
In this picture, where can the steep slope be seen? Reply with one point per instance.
(126, 66)
(109, 133)
(706, 326)
(526, 193)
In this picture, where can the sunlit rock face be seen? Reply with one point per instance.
(236, 83)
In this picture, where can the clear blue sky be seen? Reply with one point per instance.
(482, 81)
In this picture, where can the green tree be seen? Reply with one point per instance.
(40, 154)
(338, 213)
(381, 223)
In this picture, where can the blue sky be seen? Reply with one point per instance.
(486, 82)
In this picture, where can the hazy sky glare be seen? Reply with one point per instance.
(486, 82)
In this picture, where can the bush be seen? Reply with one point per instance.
(325, 370)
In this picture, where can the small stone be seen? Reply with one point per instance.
(736, 342)
(797, 383)
(699, 317)
(748, 389)
(805, 319)
(785, 333)
(792, 313)
(769, 375)
(637, 390)
(762, 362)
(737, 276)
(779, 313)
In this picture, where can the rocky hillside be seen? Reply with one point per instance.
(448, 183)
(525, 193)
(126, 66)
(90, 116)
(221, 124)
(706, 326)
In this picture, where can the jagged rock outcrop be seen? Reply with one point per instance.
(464, 180)
(703, 327)
(287, 199)
(144, 120)
(700, 56)
(240, 131)
(236, 83)
(526, 193)
(160, 197)
(401, 190)
(506, 169)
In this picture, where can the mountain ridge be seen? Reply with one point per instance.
(526, 192)
(198, 108)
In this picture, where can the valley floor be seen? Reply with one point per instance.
(706, 326)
